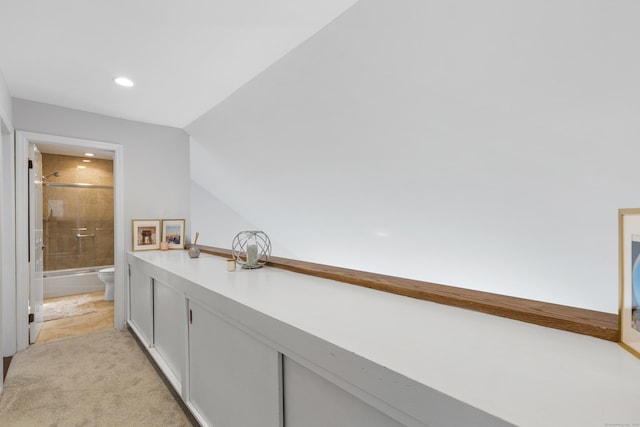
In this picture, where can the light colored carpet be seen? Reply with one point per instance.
(57, 308)
(97, 379)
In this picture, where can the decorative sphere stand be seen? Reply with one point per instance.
(251, 249)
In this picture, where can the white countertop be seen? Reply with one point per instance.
(525, 374)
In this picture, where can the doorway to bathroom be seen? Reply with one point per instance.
(84, 194)
(78, 240)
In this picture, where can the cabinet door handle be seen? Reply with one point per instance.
(190, 317)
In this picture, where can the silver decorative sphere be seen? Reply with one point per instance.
(251, 249)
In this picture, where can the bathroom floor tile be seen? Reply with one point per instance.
(100, 318)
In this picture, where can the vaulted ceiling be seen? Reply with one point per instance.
(184, 57)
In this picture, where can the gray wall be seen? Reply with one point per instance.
(486, 145)
(156, 158)
(6, 110)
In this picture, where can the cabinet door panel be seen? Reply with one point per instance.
(234, 379)
(312, 401)
(170, 319)
(141, 304)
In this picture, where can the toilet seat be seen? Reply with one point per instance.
(107, 275)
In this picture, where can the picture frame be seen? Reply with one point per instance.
(629, 310)
(173, 233)
(146, 234)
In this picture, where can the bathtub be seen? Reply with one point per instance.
(59, 283)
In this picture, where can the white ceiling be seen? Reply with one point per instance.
(185, 56)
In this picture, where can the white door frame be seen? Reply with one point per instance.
(6, 241)
(8, 190)
(22, 227)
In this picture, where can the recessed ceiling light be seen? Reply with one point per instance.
(123, 81)
(86, 161)
(89, 154)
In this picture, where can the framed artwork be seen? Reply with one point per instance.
(173, 233)
(629, 311)
(146, 234)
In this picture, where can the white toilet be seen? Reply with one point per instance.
(106, 275)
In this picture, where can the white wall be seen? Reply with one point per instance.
(486, 145)
(156, 158)
(217, 222)
(6, 109)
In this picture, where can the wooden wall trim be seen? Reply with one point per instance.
(582, 321)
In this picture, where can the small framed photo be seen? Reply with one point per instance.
(146, 234)
(629, 312)
(173, 233)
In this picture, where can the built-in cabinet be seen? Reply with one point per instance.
(169, 329)
(312, 401)
(157, 314)
(235, 364)
(234, 379)
(141, 305)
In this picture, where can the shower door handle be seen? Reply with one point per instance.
(79, 236)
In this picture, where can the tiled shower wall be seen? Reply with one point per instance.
(78, 220)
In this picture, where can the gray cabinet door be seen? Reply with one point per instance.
(170, 330)
(141, 305)
(312, 401)
(234, 379)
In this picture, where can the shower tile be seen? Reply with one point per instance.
(78, 208)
